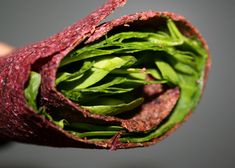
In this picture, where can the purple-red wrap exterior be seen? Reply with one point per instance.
(18, 122)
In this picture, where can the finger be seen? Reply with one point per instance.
(5, 49)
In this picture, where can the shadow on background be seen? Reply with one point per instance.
(5, 144)
(136, 164)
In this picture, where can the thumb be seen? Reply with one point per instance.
(5, 49)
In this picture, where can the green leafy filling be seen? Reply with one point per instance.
(31, 93)
(104, 78)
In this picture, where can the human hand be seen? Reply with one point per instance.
(5, 49)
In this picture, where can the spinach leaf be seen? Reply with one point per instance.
(121, 43)
(60, 123)
(101, 68)
(113, 106)
(168, 73)
(31, 91)
(93, 127)
(65, 76)
(94, 134)
(138, 73)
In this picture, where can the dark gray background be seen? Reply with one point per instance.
(206, 140)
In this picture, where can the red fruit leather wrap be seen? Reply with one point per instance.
(18, 122)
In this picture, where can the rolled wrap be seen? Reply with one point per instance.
(19, 122)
